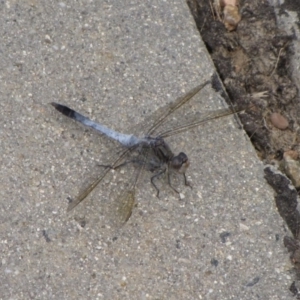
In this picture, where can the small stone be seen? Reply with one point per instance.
(292, 169)
(243, 227)
(231, 17)
(229, 2)
(48, 39)
(279, 121)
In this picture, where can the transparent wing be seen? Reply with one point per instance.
(195, 120)
(178, 116)
(123, 196)
(124, 207)
(157, 118)
(116, 203)
(87, 190)
(161, 115)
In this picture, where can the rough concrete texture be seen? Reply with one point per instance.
(116, 62)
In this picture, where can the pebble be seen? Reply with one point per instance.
(231, 17)
(48, 39)
(291, 168)
(279, 121)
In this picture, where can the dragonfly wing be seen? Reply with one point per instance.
(194, 120)
(122, 199)
(91, 186)
(85, 192)
(156, 119)
(126, 201)
(122, 209)
(165, 112)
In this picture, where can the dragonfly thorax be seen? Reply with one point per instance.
(163, 152)
(161, 149)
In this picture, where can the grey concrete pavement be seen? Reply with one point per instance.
(117, 62)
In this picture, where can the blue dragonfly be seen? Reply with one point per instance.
(149, 152)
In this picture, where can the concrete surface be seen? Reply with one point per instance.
(116, 62)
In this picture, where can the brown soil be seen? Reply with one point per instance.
(253, 63)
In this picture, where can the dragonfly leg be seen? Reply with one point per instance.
(170, 184)
(152, 181)
(186, 181)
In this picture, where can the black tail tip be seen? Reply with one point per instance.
(64, 109)
(56, 105)
(61, 108)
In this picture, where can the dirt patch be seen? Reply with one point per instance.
(253, 61)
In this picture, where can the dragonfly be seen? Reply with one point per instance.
(148, 152)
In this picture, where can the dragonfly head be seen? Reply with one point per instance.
(180, 163)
